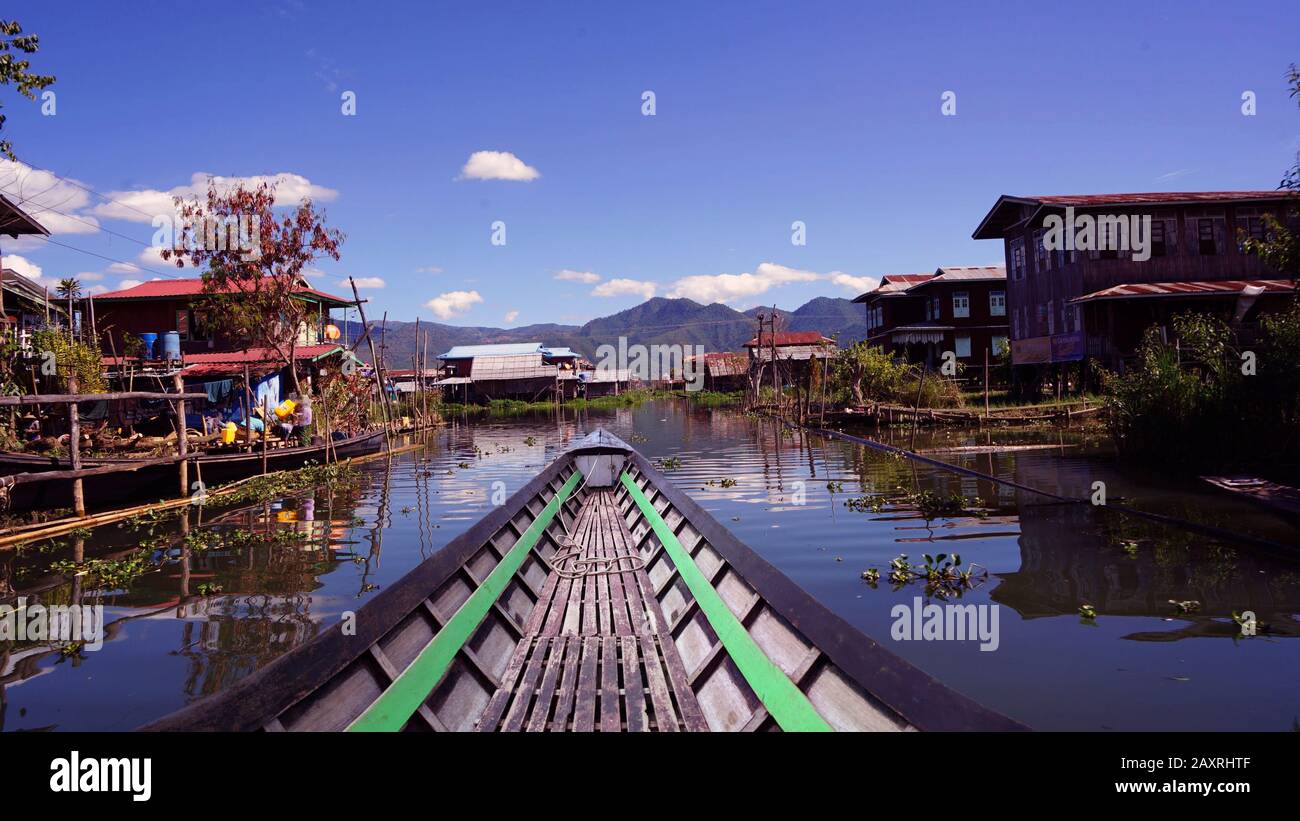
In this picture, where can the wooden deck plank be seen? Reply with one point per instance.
(568, 684)
(584, 634)
(584, 716)
(546, 695)
(665, 716)
(523, 696)
(633, 690)
(611, 718)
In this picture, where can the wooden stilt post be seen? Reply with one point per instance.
(248, 408)
(74, 449)
(266, 433)
(182, 441)
(374, 357)
(916, 413)
(986, 384)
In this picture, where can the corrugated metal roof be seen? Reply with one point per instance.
(1157, 197)
(893, 285)
(949, 273)
(726, 364)
(792, 338)
(1226, 287)
(261, 354)
(506, 349)
(519, 366)
(192, 286)
(559, 353)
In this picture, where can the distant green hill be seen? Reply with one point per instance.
(656, 321)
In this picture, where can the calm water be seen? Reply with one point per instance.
(207, 617)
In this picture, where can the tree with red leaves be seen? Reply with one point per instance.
(255, 261)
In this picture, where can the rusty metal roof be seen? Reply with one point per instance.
(1225, 287)
(792, 338)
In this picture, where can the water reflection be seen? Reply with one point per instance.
(226, 591)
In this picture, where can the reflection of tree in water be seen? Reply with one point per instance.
(1072, 554)
(263, 563)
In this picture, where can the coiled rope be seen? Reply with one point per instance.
(569, 561)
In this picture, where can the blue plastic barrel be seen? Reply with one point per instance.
(149, 341)
(171, 343)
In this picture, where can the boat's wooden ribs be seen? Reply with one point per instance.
(725, 695)
(595, 654)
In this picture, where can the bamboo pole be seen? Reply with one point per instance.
(74, 450)
(986, 383)
(182, 440)
(266, 431)
(246, 405)
(374, 357)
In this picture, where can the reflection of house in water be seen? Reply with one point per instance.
(1072, 554)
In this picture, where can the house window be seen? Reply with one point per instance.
(960, 304)
(999, 345)
(1051, 317)
(1042, 261)
(1018, 258)
(963, 346)
(1205, 237)
(1252, 228)
(997, 303)
(1015, 324)
(935, 307)
(1042, 317)
(1158, 247)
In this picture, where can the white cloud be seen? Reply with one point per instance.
(497, 165)
(856, 285)
(51, 201)
(445, 306)
(730, 287)
(89, 276)
(511, 316)
(123, 268)
(96, 289)
(369, 282)
(151, 257)
(143, 204)
(585, 277)
(622, 287)
(128, 283)
(23, 266)
(429, 269)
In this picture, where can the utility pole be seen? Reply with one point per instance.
(776, 385)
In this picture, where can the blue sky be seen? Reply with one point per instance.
(827, 113)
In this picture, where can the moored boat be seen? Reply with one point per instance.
(598, 597)
(1282, 499)
(156, 480)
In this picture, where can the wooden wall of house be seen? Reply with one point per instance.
(1051, 280)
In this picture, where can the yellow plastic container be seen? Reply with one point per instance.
(285, 408)
(228, 433)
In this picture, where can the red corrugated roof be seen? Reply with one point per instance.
(1224, 287)
(791, 338)
(1159, 197)
(188, 286)
(258, 354)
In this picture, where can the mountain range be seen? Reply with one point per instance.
(656, 321)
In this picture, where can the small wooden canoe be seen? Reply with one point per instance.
(598, 597)
(1280, 498)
